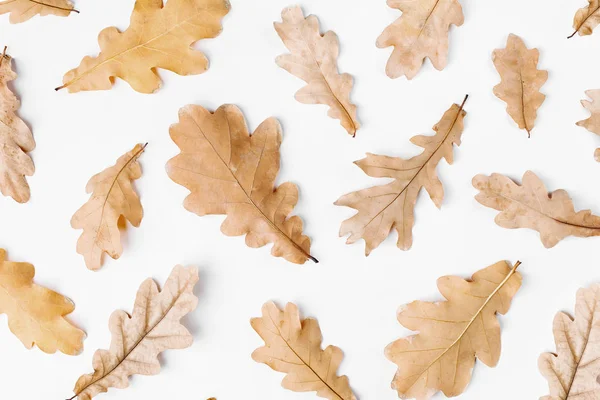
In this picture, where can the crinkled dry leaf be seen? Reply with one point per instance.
(586, 19)
(313, 59)
(573, 372)
(15, 139)
(137, 340)
(383, 208)
(22, 10)
(36, 315)
(113, 197)
(592, 124)
(230, 172)
(293, 346)
(158, 37)
(421, 31)
(520, 81)
(452, 333)
(531, 206)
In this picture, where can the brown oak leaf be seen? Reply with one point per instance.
(113, 197)
(36, 315)
(293, 346)
(421, 32)
(452, 333)
(384, 208)
(159, 36)
(313, 59)
(153, 327)
(16, 139)
(586, 19)
(22, 10)
(592, 124)
(531, 206)
(520, 81)
(230, 172)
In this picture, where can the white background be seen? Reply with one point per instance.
(354, 298)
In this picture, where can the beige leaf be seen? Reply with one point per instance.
(586, 19)
(137, 340)
(391, 206)
(15, 139)
(592, 124)
(313, 59)
(452, 333)
(520, 81)
(293, 346)
(230, 172)
(36, 315)
(421, 32)
(573, 372)
(531, 206)
(158, 37)
(113, 197)
(22, 10)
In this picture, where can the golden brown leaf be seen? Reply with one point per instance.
(313, 59)
(421, 32)
(520, 81)
(531, 206)
(573, 372)
(383, 208)
(586, 19)
(592, 124)
(22, 10)
(36, 315)
(452, 333)
(15, 139)
(113, 197)
(230, 172)
(158, 37)
(293, 346)
(137, 340)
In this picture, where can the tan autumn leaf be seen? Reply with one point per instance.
(520, 81)
(16, 139)
(293, 346)
(313, 59)
(453, 333)
(230, 172)
(22, 10)
(36, 315)
(421, 32)
(384, 208)
(592, 124)
(531, 206)
(586, 19)
(573, 372)
(137, 340)
(159, 36)
(112, 198)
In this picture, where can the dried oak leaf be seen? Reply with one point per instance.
(22, 10)
(293, 346)
(158, 37)
(421, 31)
(16, 139)
(452, 333)
(383, 208)
(573, 372)
(137, 340)
(586, 19)
(36, 315)
(531, 206)
(113, 197)
(592, 124)
(313, 59)
(230, 172)
(520, 81)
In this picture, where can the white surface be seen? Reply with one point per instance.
(354, 298)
